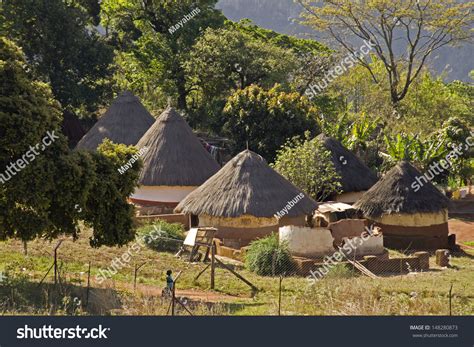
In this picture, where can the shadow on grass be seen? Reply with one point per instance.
(23, 296)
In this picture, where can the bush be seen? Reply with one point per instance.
(267, 257)
(162, 236)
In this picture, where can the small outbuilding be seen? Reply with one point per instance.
(247, 200)
(408, 218)
(174, 164)
(356, 177)
(125, 122)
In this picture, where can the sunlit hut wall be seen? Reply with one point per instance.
(409, 219)
(125, 122)
(241, 200)
(174, 163)
(356, 177)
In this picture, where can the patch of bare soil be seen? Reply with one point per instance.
(464, 230)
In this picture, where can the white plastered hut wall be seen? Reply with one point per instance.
(307, 242)
(244, 221)
(413, 220)
(162, 193)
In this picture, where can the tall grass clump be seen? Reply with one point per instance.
(162, 236)
(269, 257)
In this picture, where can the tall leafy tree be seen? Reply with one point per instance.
(266, 119)
(63, 47)
(307, 164)
(405, 32)
(155, 37)
(45, 190)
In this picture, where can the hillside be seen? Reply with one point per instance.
(281, 16)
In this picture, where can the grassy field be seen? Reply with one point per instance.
(413, 294)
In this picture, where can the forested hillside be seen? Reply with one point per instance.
(282, 15)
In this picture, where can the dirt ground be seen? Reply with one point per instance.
(463, 229)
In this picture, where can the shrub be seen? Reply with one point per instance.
(267, 257)
(162, 236)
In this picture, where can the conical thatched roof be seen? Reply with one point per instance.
(125, 122)
(246, 185)
(174, 156)
(394, 194)
(355, 175)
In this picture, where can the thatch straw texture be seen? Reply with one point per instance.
(394, 194)
(125, 122)
(355, 175)
(246, 186)
(174, 156)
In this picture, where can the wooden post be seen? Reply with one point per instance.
(450, 299)
(55, 266)
(88, 284)
(56, 261)
(135, 278)
(173, 298)
(137, 267)
(279, 296)
(213, 264)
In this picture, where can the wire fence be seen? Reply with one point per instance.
(340, 282)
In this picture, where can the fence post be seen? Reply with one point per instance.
(213, 264)
(450, 299)
(88, 284)
(279, 296)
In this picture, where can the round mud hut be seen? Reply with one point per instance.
(124, 122)
(356, 177)
(247, 200)
(174, 164)
(409, 218)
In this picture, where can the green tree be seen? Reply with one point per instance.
(405, 33)
(145, 34)
(265, 119)
(45, 190)
(224, 60)
(308, 165)
(63, 48)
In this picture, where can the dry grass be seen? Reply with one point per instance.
(414, 294)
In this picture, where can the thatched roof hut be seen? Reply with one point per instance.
(247, 199)
(410, 216)
(124, 122)
(356, 177)
(174, 162)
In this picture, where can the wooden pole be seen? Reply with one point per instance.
(279, 296)
(88, 284)
(173, 294)
(255, 289)
(137, 267)
(56, 261)
(173, 298)
(55, 266)
(450, 299)
(213, 264)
